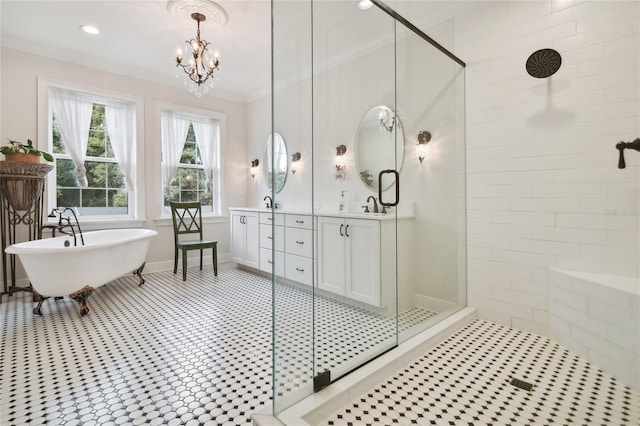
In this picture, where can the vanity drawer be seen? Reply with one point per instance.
(298, 241)
(266, 239)
(298, 221)
(299, 269)
(265, 217)
(266, 262)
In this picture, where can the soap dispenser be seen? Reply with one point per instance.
(341, 203)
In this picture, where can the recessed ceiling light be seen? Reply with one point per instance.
(365, 4)
(89, 29)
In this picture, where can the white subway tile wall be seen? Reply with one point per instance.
(599, 318)
(544, 189)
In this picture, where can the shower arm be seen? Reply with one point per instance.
(621, 146)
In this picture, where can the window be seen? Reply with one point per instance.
(105, 193)
(93, 140)
(190, 155)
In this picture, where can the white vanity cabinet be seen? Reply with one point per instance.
(245, 243)
(299, 263)
(353, 260)
(272, 234)
(354, 257)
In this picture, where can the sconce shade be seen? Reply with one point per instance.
(294, 162)
(254, 164)
(424, 137)
(339, 162)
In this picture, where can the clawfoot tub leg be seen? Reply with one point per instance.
(138, 272)
(81, 297)
(38, 297)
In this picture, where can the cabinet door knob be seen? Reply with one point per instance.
(341, 226)
(299, 269)
(346, 231)
(299, 242)
(269, 261)
(270, 237)
(299, 221)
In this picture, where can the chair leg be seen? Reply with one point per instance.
(201, 259)
(215, 260)
(175, 260)
(184, 265)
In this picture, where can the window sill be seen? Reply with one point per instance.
(93, 225)
(167, 221)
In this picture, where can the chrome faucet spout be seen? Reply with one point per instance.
(269, 203)
(375, 204)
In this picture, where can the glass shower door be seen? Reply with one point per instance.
(292, 289)
(354, 138)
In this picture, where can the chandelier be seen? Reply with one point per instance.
(202, 63)
(387, 120)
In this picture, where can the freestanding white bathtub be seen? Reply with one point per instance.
(58, 270)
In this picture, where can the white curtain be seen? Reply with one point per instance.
(207, 135)
(73, 114)
(121, 127)
(174, 133)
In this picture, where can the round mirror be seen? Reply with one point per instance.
(379, 144)
(275, 171)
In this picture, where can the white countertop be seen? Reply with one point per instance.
(369, 216)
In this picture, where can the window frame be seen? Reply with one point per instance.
(136, 206)
(219, 198)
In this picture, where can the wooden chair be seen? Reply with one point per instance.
(187, 219)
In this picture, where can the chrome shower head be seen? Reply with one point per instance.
(543, 63)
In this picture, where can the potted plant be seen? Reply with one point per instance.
(16, 151)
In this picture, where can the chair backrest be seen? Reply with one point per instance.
(187, 218)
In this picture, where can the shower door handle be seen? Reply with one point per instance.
(397, 185)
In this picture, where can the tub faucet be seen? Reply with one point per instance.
(621, 146)
(65, 222)
(375, 204)
(269, 203)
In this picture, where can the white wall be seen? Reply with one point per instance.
(19, 105)
(543, 184)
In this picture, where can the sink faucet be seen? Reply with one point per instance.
(268, 203)
(375, 204)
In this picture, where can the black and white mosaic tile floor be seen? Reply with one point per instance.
(171, 352)
(466, 381)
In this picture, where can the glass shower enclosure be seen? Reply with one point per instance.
(368, 249)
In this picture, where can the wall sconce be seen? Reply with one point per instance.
(422, 149)
(340, 163)
(254, 166)
(387, 120)
(294, 162)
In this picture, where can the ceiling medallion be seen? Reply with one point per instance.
(184, 9)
